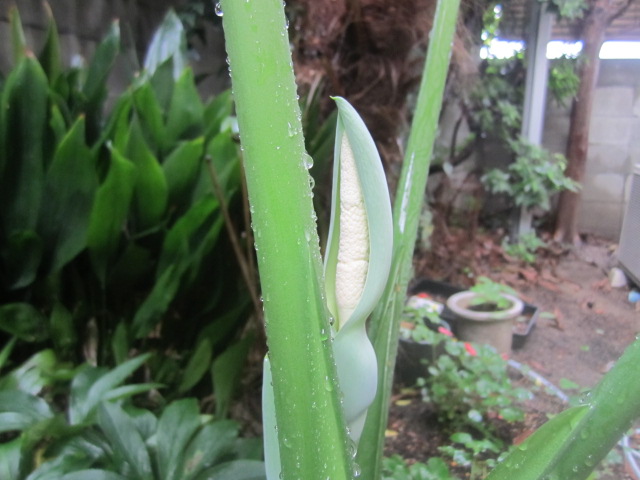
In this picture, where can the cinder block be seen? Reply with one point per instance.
(607, 159)
(613, 101)
(603, 187)
(602, 219)
(556, 133)
(610, 130)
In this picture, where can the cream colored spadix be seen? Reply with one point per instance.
(357, 264)
(357, 260)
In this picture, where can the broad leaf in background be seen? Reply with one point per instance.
(109, 213)
(126, 440)
(70, 186)
(92, 385)
(23, 107)
(168, 43)
(150, 193)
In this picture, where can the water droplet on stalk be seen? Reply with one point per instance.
(218, 9)
(328, 384)
(307, 161)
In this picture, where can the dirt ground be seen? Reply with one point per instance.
(586, 327)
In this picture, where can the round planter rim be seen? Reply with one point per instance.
(458, 303)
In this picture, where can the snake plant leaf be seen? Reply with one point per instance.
(358, 259)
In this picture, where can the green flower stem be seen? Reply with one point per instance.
(311, 429)
(384, 329)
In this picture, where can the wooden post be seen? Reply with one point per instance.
(599, 17)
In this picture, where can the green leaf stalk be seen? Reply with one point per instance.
(311, 429)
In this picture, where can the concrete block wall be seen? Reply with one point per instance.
(614, 146)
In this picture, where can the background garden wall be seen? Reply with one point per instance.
(614, 146)
(83, 23)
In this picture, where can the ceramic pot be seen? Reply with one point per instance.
(493, 328)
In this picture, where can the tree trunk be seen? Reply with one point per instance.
(595, 24)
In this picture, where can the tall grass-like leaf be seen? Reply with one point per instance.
(18, 40)
(151, 114)
(181, 168)
(109, 213)
(150, 194)
(50, 57)
(185, 110)
(70, 186)
(384, 328)
(23, 111)
(168, 44)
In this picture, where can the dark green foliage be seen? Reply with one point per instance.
(101, 435)
(110, 233)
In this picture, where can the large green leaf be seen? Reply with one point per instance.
(151, 115)
(223, 154)
(10, 455)
(177, 426)
(150, 192)
(91, 385)
(168, 43)
(216, 111)
(187, 233)
(37, 373)
(50, 57)
(125, 439)
(23, 110)
(70, 186)
(181, 168)
(109, 213)
(186, 112)
(24, 321)
(95, 85)
(19, 410)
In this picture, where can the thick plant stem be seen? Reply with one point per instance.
(311, 429)
(407, 206)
